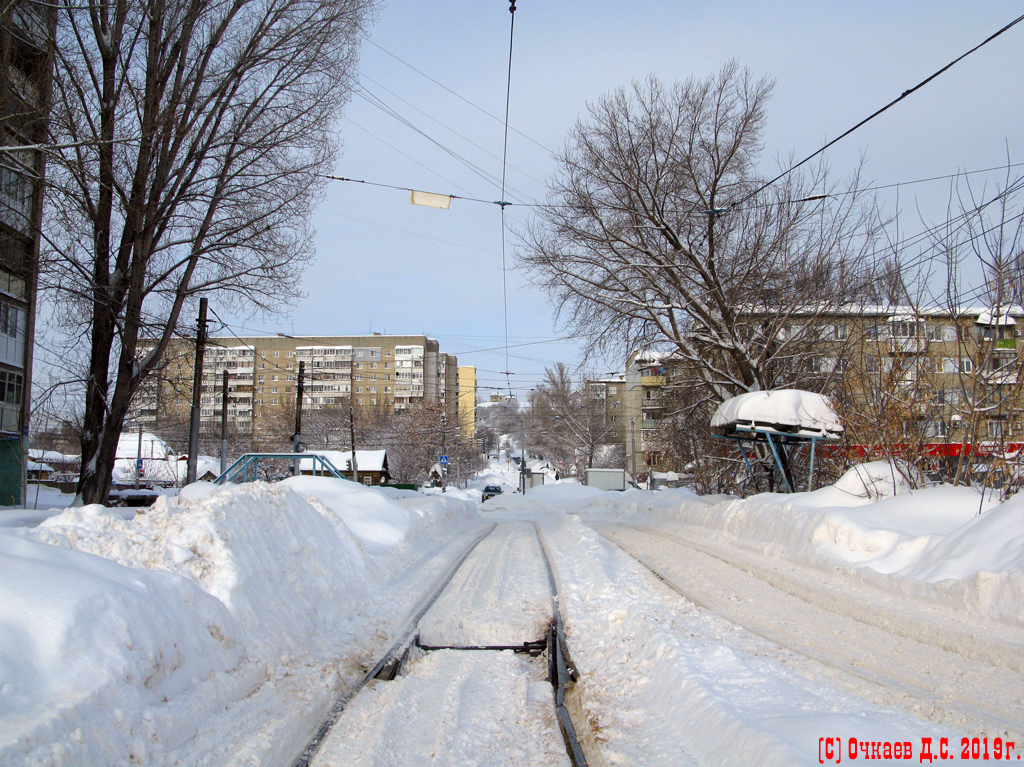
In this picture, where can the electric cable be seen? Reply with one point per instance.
(872, 116)
(449, 90)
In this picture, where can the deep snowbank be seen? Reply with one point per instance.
(931, 543)
(126, 640)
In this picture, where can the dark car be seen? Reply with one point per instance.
(491, 491)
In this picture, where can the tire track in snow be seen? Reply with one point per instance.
(941, 685)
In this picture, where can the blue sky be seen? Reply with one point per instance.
(388, 266)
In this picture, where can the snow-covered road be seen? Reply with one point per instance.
(856, 639)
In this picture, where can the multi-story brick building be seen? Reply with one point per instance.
(26, 52)
(934, 384)
(385, 372)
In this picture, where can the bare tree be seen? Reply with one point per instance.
(652, 236)
(196, 133)
(570, 423)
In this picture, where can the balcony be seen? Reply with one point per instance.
(908, 345)
(653, 380)
(1009, 344)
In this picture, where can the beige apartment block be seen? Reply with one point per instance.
(385, 372)
(467, 402)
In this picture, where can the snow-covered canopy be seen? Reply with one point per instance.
(782, 411)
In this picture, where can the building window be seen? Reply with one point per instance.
(277, 354)
(11, 388)
(273, 401)
(966, 365)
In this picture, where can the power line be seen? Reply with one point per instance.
(872, 116)
(503, 203)
(457, 95)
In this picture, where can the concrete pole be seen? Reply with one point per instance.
(224, 424)
(197, 395)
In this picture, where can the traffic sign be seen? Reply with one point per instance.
(443, 460)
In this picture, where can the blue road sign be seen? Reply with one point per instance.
(443, 460)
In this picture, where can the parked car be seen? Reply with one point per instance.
(491, 491)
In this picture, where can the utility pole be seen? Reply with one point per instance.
(352, 434)
(632, 436)
(444, 432)
(224, 423)
(197, 396)
(522, 462)
(297, 446)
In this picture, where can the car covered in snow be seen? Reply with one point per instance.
(490, 491)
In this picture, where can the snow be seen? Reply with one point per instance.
(219, 626)
(782, 410)
(206, 630)
(366, 460)
(428, 707)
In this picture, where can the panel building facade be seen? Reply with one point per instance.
(387, 373)
(26, 52)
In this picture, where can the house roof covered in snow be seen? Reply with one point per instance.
(366, 460)
(152, 446)
(781, 411)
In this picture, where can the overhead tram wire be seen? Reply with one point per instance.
(447, 127)
(449, 90)
(503, 202)
(875, 114)
(391, 112)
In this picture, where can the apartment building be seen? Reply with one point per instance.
(467, 402)
(611, 393)
(26, 50)
(387, 372)
(947, 379)
(937, 383)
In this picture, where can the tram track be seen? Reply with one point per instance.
(890, 666)
(562, 673)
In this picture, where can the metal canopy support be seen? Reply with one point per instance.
(775, 441)
(778, 461)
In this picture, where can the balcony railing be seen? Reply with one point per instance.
(908, 345)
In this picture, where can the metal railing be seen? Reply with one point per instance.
(246, 468)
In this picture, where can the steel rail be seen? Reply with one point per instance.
(391, 661)
(561, 669)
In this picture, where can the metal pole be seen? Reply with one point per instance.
(522, 462)
(224, 424)
(352, 434)
(138, 460)
(197, 394)
(297, 445)
(444, 445)
(632, 437)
